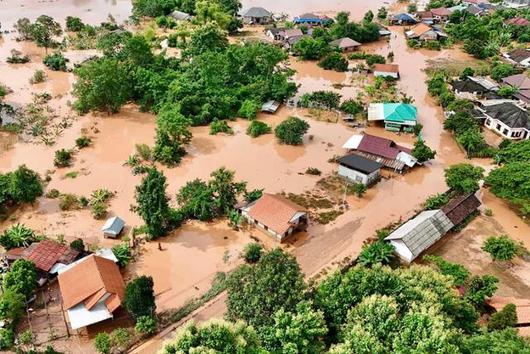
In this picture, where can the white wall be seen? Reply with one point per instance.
(356, 176)
(384, 73)
(493, 124)
(402, 250)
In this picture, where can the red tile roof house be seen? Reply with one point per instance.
(441, 14)
(92, 289)
(276, 215)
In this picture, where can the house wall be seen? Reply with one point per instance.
(402, 250)
(279, 237)
(429, 36)
(357, 176)
(507, 132)
(384, 73)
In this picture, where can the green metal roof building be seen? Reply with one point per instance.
(397, 116)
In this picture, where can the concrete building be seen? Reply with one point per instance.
(508, 120)
(358, 169)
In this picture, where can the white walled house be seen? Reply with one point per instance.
(358, 169)
(386, 70)
(508, 120)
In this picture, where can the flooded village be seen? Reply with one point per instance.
(264, 177)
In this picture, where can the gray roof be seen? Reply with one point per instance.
(510, 114)
(468, 85)
(270, 106)
(113, 226)
(421, 232)
(359, 163)
(259, 12)
(180, 16)
(345, 43)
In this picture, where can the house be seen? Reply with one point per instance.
(291, 41)
(424, 32)
(385, 151)
(469, 89)
(47, 255)
(519, 56)
(383, 31)
(522, 83)
(386, 70)
(425, 16)
(91, 290)
(257, 16)
(312, 20)
(475, 10)
(475, 2)
(396, 116)
(516, 3)
(517, 21)
(441, 14)
(508, 120)
(276, 215)
(459, 208)
(287, 34)
(180, 16)
(359, 169)
(270, 106)
(113, 227)
(274, 33)
(403, 19)
(522, 308)
(345, 44)
(419, 233)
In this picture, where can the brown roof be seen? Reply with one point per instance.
(46, 253)
(274, 211)
(461, 207)
(387, 68)
(424, 14)
(421, 28)
(89, 280)
(522, 307)
(441, 11)
(521, 81)
(380, 146)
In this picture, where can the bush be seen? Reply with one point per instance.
(463, 178)
(257, 128)
(500, 248)
(68, 202)
(458, 272)
(83, 142)
(249, 109)
(334, 61)
(123, 253)
(352, 107)
(55, 61)
(17, 236)
(7, 338)
(507, 317)
(38, 77)
(102, 343)
(220, 126)
(252, 252)
(74, 24)
(313, 171)
(291, 131)
(379, 252)
(78, 245)
(99, 209)
(63, 158)
(139, 297)
(436, 201)
(17, 57)
(146, 325)
(320, 99)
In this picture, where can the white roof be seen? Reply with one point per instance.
(353, 142)
(80, 317)
(375, 111)
(485, 82)
(113, 225)
(407, 159)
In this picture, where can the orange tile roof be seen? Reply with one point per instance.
(387, 68)
(46, 253)
(89, 280)
(522, 307)
(421, 29)
(275, 212)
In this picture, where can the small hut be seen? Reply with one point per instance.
(113, 227)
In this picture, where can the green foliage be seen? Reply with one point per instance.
(501, 70)
(20, 186)
(364, 31)
(38, 77)
(463, 178)
(334, 61)
(359, 189)
(153, 8)
(309, 48)
(422, 152)
(252, 252)
(382, 13)
(43, 31)
(352, 107)
(320, 99)
(379, 252)
(55, 61)
(257, 128)
(83, 142)
(249, 109)
(7, 338)
(458, 272)
(313, 171)
(505, 318)
(512, 182)
(74, 24)
(123, 254)
(153, 203)
(250, 295)
(18, 235)
(501, 248)
(371, 59)
(496, 342)
(172, 134)
(291, 131)
(63, 158)
(220, 126)
(253, 195)
(436, 201)
(102, 343)
(514, 152)
(21, 278)
(16, 57)
(139, 297)
(480, 288)
(146, 325)
(507, 91)
(78, 245)
(12, 305)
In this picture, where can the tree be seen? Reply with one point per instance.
(501, 248)
(215, 336)
(291, 130)
(21, 278)
(436, 201)
(309, 48)
(207, 38)
(103, 85)
(463, 178)
(196, 200)
(382, 13)
(512, 182)
(17, 235)
(225, 190)
(458, 272)
(479, 288)
(496, 342)
(502, 70)
(123, 254)
(505, 318)
(249, 109)
(78, 245)
(139, 297)
(422, 152)
(55, 61)
(153, 203)
(153, 8)
(257, 128)
(376, 252)
(74, 24)
(24, 185)
(12, 305)
(514, 152)
(252, 252)
(44, 30)
(172, 133)
(334, 61)
(256, 293)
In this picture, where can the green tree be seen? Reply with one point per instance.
(501, 248)
(24, 185)
(458, 272)
(309, 48)
(74, 24)
(479, 288)
(252, 252)
(123, 254)
(153, 8)
(102, 85)
(172, 134)
(12, 305)
(495, 342)
(21, 278)
(139, 297)
(207, 38)
(153, 203)
(505, 318)
(463, 177)
(382, 13)
(249, 109)
(376, 252)
(435, 201)
(225, 190)
(18, 235)
(257, 128)
(514, 152)
(291, 131)
(44, 30)
(334, 61)
(512, 182)
(78, 245)
(502, 70)
(422, 152)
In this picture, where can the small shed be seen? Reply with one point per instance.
(180, 16)
(257, 15)
(113, 227)
(359, 169)
(345, 44)
(270, 106)
(386, 70)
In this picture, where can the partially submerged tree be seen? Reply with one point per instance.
(501, 248)
(139, 297)
(153, 203)
(463, 177)
(291, 131)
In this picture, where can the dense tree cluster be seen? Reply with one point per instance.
(17, 187)
(463, 178)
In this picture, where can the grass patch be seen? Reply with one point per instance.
(72, 174)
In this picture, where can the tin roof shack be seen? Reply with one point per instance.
(358, 169)
(345, 44)
(257, 16)
(180, 16)
(396, 116)
(91, 290)
(270, 106)
(386, 70)
(419, 233)
(276, 215)
(508, 120)
(461, 207)
(113, 227)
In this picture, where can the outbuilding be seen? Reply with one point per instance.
(345, 44)
(359, 169)
(386, 70)
(113, 227)
(257, 16)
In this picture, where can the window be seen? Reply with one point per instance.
(505, 132)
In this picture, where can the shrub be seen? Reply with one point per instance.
(68, 202)
(7, 338)
(63, 158)
(99, 210)
(38, 77)
(257, 128)
(352, 107)
(123, 253)
(313, 171)
(488, 212)
(436, 201)
(252, 252)
(83, 142)
(55, 61)
(377, 252)
(359, 189)
(458, 272)
(320, 99)
(78, 245)
(74, 24)
(17, 236)
(291, 131)
(102, 343)
(139, 297)
(334, 61)
(220, 126)
(17, 57)
(146, 325)
(500, 248)
(507, 317)
(249, 109)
